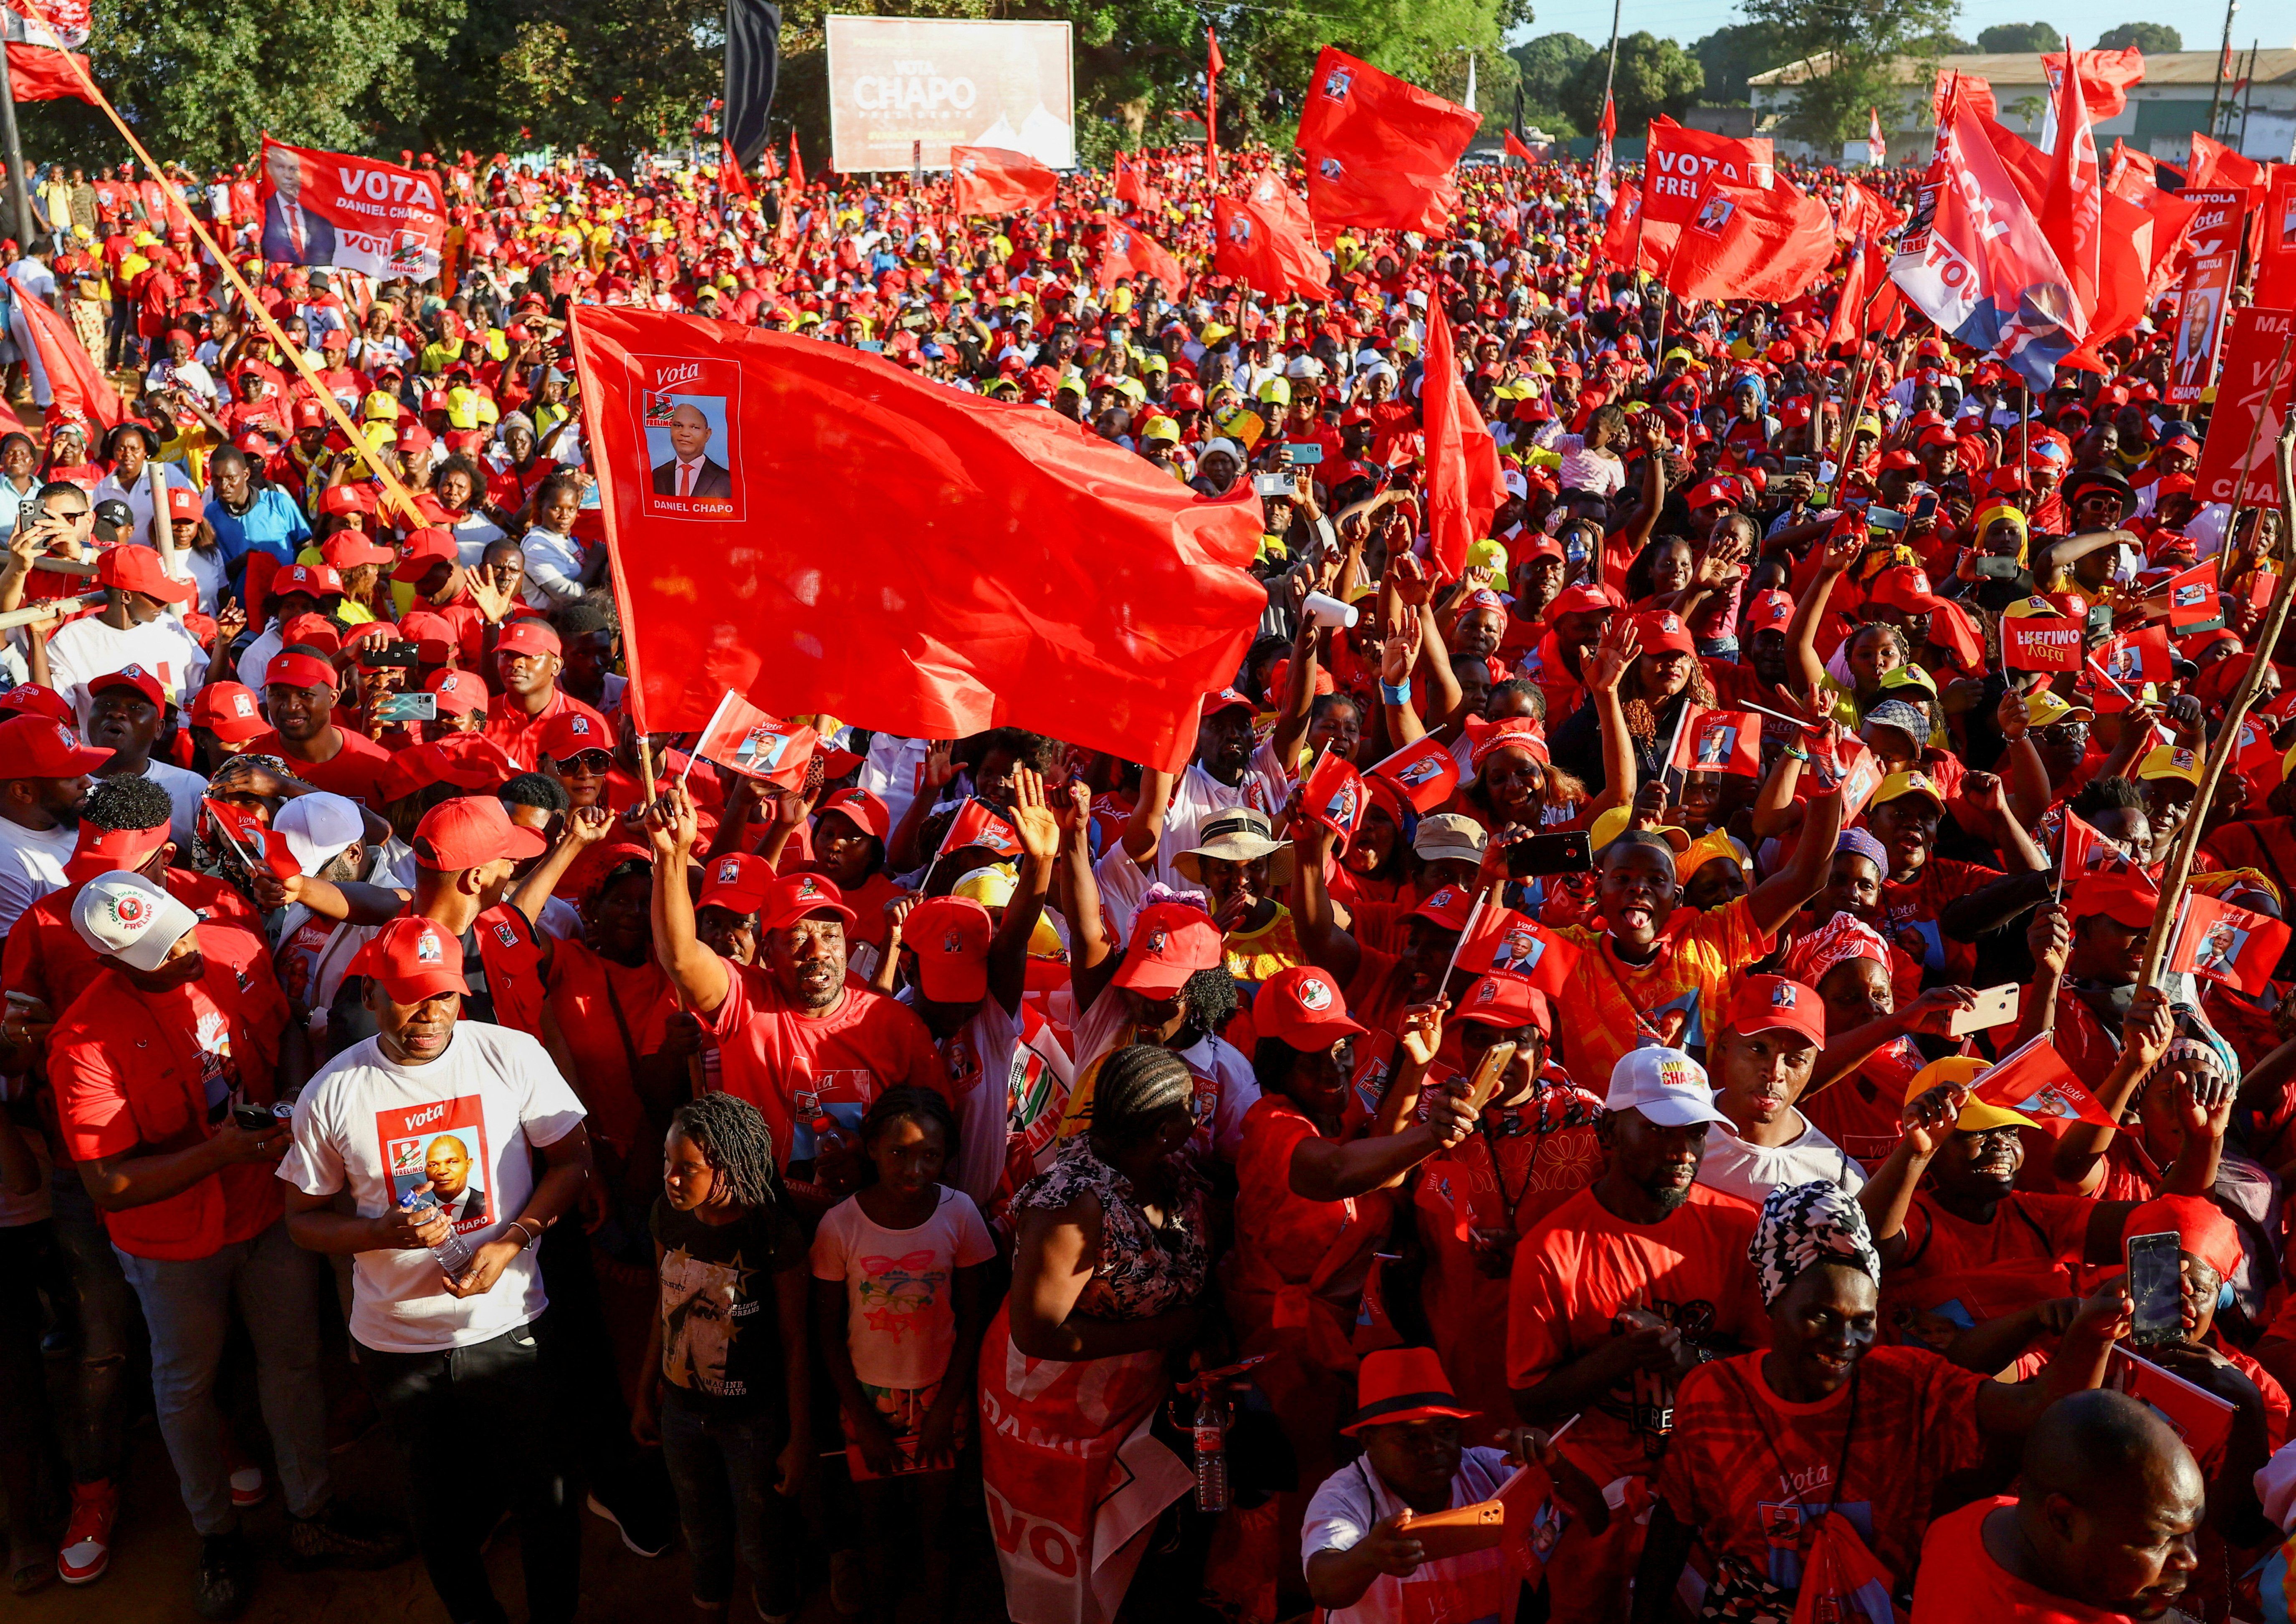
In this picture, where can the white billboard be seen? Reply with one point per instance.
(903, 88)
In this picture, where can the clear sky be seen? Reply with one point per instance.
(2271, 23)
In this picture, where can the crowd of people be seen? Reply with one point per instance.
(1559, 1182)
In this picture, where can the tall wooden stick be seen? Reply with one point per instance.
(2228, 740)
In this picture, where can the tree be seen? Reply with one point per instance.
(1853, 55)
(1732, 55)
(2150, 37)
(2012, 37)
(1545, 65)
(1655, 76)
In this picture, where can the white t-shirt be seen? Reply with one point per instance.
(87, 648)
(977, 1067)
(1198, 796)
(1347, 1503)
(31, 865)
(481, 1108)
(1225, 1085)
(185, 788)
(1752, 1171)
(900, 1319)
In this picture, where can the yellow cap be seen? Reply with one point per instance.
(1160, 428)
(1493, 554)
(1275, 389)
(1963, 1070)
(1612, 823)
(991, 886)
(1908, 677)
(2171, 762)
(2028, 608)
(2044, 709)
(1711, 847)
(380, 406)
(1899, 785)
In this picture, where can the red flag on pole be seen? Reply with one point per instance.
(1504, 942)
(1018, 569)
(1720, 742)
(1744, 242)
(1464, 484)
(2072, 206)
(1130, 251)
(1877, 144)
(2033, 1080)
(743, 739)
(37, 73)
(977, 824)
(1606, 133)
(1266, 241)
(1333, 795)
(1510, 147)
(2105, 77)
(1380, 151)
(1424, 771)
(796, 167)
(990, 180)
(730, 178)
(74, 379)
(1212, 101)
(1685, 164)
(2227, 944)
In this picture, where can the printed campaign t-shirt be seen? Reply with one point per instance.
(468, 1122)
(1960, 1579)
(1617, 1006)
(899, 1315)
(721, 1340)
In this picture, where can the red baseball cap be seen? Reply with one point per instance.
(313, 631)
(1663, 632)
(469, 830)
(1447, 906)
(1170, 942)
(1582, 600)
(526, 636)
(316, 579)
(467, 760)
(1907, 588)
(426, 547)
(299, 671)
(569, 733)
(1769, 1002)
(99, 850)
(433, 632)
(1303, 1007)
(2126, 898)
(1715, 492)
(1768, 609)
(133, 568)
(950, 936)
(413, 959)
(348, 549)
(310, 414)
(30, 699)
(1225, 699)
(460, 692)
(1506, 1000)
(41, 747)
(795, 896)
(226, 709)
(737, 880)
(868, 813)
(183, 504)
(130, 676)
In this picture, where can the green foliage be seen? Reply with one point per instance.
(1858, 47)
(2009, 38)
(2150, 37)
(1655, 76)
(1733, 54)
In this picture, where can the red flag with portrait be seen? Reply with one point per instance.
(1425, 772)
(978, 823)
(1130, 251)
(2033, 1079)
(743, 739)
(990, 180)
(1333, 795)
(2227, 944)
(1714, 740)
(1505, 942)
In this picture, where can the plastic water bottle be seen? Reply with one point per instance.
(453, 1253)
(1210, 1438)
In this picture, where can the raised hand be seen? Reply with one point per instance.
(1034, 823)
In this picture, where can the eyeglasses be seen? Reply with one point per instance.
(590, 761)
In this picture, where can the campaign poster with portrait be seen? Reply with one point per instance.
(441, 1143)
(688, 413)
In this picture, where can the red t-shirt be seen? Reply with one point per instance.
(1957, 1274)
(628, 1107)
(1960, 1580)
(359, 769)
(1752, 1472)
(1578, 1269)
(1910, 912)
(521, 735)
(1291, 1235)
(773, 1054)
(47, 958)
(134, 1068)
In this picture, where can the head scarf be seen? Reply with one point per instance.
(1840, 939)
(1805, 1225)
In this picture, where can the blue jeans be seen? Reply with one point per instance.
(187, 1303)
(469, 1423)
(722, 1466)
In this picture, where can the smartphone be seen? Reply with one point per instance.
(1884, 519)
(1304, 457)
(2156, 1289)
(1998, 567)
(1926, 508)
(1996, 1006)
(1550, 853)
(405, 707)
(1796, 464)
(259, 1119)
(404, 655)
(1274, 484)
(1484, 1086)
(875, 346)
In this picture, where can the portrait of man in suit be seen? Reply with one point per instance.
(446, 1164)
(292, 234)
(690, 471)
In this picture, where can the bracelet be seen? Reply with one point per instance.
(1399, 695)
(519, 1224)
(1797, 752)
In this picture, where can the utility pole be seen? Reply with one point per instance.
(2215, 93)
(2248, 103)
(1612, 72)
(19, 184)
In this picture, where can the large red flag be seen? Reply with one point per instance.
(1606, 133)
(1747, 243)
(730, 178)
(1212, 66)
(1264, 240)
(1683, 163)
(1972, 91)
(1379, 149)
(2214, 164)
(1128, 188)
(1620, 230)
(796, 166)
(1130, 251)
(990, 180)
(74, 379)
(909, 557)
(1868, 296)
(37, 73)
(1512, 146)
(2073, 202)
(1463, 487)
(2105, 77)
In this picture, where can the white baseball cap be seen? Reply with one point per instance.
(1668, 1087)
(124, 915)
(318, 827)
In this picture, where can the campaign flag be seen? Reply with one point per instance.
(1266, 240)
(1505, 942)
(2256, 759)
(2215, 164)
(1751, 243)
(2041, 643)
(1972, 90)
(2033, 1080)
(37, 73)
(1681, 165)
(1877, 144)
(2072, 205)
(1622, 230)
(2105, 77)
(796, 166)
(1535, 1519)
(730, 178)
(1464, 481)
(1333, 795)
(1861, 774)
(1511, 147)
(2214, 240)
(2082, 848)
(991, 180)
(352, 213)
(258, 846)
(2192, 601)
(992, 564)
(1719, 742)
(2227, 944)
(1379, 150)
(1424, 772)
(2194, 1413)
(979, 823)
(1868, 298)
(1130, 251)
(1606, 133)
(1130, 187)
(1976, 263)
(2253, 392)
(74, 379)
(2275, 245)
(743, 739)
(2140, 656)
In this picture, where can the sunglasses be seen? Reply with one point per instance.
(590, 761)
